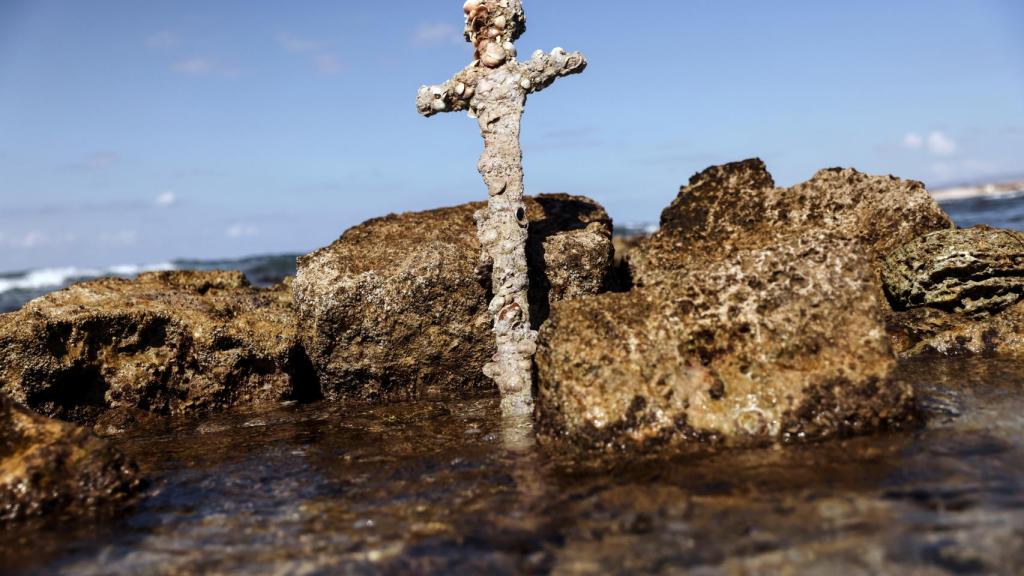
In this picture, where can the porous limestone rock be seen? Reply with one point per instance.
(168, 343)
(975, 271)
(736, 206)
(756, 316)
(51, 467)
(932, 331)
(773, 343)
(957, 293)
(398, 306)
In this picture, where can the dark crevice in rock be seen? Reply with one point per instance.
(305, 380)
(75, 394)
(166, 343)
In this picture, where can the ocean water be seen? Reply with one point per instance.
(1004, 210)
(1000, 211)
(17, 288)
(433, 488)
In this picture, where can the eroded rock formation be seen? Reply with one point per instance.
(782, 342)
(397, 307)
(736, 206)
(931, 331)
(50, 467)
(757, 316)
(166, 343)
(957, 293)
(976, 271)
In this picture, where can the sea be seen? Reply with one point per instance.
(17, 288)
(999, 206)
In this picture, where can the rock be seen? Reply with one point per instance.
(169, 343)
(976, 271)
(757, 316)
(397, 308)
(957, 293)
(49, 467)
(773, 343)
(931, 331)
(736, 206)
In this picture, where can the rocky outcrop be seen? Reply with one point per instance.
(397, 307)
(756, 316)
(976, 271)
(51, 467)
(166, 343)
(957, 293)
(782, 342)
(931, 331)
(737, 206)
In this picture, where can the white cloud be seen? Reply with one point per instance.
(327, 64)
(241, 231)
(937, 143)
(166, 200)
(324, 62)
(202, 66)
(193, 67)
(101, 160)
(162, 40)
(297, 45)
(433, 33)
(35, 239)
(913, 140)
(120, 238)
(940, 144)
(30, 240)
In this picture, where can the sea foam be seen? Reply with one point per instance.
(44, 278)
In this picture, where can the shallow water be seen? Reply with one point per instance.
(422, 487)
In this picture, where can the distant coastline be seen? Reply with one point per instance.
(989, 190)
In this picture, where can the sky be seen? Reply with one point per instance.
(138, 132)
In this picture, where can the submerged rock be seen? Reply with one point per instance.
(735, 206)
(397, 307)
(49, 467)
(975, 271)
(780, 342)
(165, 343)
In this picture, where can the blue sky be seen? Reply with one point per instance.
(135, 132)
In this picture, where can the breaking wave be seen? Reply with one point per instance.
(50, 278)
(17, 288)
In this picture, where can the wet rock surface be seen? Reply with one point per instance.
(116, 351)
(784, 342)
(428, 488)
(930, 331)
(736, 206)
(50, 468)
(976, 271)
(397, 307)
